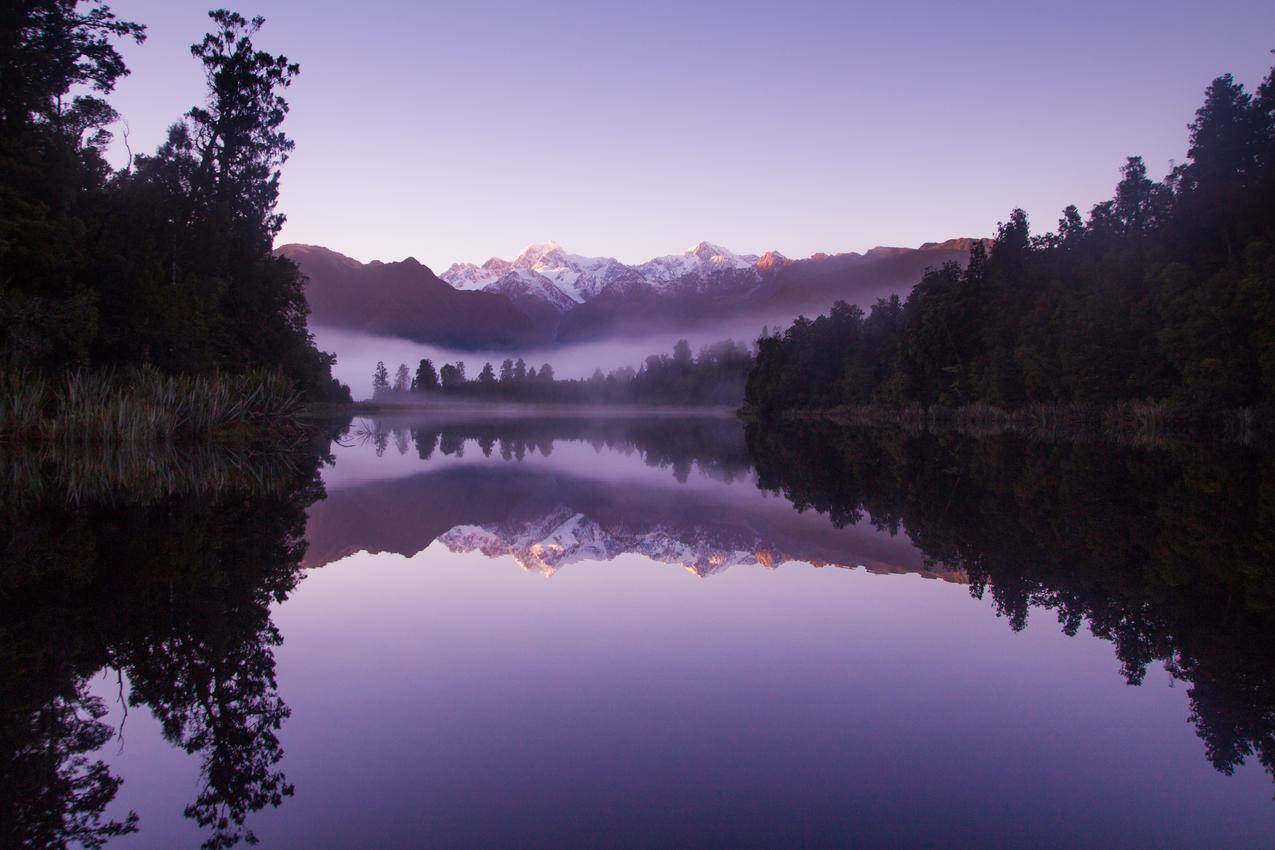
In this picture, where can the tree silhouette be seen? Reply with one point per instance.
(426, 379)
(380, 379)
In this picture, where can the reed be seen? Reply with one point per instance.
(142, 406)
(141, 473)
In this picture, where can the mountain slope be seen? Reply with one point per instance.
(547, 295)
(406, 299)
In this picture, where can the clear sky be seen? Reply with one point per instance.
(461, 130)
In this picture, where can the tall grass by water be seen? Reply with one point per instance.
(141, 406)
(140, 473)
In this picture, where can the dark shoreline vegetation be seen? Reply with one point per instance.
(147, 406)
(1163, 299)
(164, 265)
(1131, 422)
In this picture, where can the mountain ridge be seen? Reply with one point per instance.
(547, 295)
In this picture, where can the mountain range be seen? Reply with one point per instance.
(546, 521)
(547, 295)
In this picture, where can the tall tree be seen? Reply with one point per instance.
(426, 379)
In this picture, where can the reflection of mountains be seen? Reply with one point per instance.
(546, 520)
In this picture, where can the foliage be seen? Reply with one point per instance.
(167, 262)
(143, 406)
(1165, 293)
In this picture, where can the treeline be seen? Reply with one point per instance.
(1166, 292)
(166, 262)
(715, 376)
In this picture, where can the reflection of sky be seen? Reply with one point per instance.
(449, 700)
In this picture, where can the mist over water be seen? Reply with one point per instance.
(357, 353)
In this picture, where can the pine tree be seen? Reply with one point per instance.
(380, 379)
(426, 379)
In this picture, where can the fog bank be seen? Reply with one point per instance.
(358, 353)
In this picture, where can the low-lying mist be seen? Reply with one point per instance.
(357, 354)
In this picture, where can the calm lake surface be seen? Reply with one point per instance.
(640, 632)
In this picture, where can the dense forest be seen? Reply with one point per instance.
(167, 261)
(713, 377)
(1164, 293)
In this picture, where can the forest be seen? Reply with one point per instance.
(714, 376)
(163, 265)
(1164, 294)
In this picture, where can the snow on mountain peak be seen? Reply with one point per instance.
(709, 252)
(541, 254)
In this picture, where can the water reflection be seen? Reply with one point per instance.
(590, 505)
(160, 568)
(166, 571)
(1167, 553)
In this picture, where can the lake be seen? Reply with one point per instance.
(560, 631)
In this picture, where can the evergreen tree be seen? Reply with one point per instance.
(169, 261)
(380, 379)
(1163, 293)
(426, 379)
(402, 378)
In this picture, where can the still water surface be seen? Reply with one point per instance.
(624, 633)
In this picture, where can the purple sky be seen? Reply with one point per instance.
(459, 131)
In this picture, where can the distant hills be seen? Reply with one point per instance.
(547, 295)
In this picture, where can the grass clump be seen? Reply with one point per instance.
(141, 406)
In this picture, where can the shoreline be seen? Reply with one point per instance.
(515, 410)
(1137, 422)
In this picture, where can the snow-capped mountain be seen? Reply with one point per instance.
(521, 284)
(702, 260)
(563, 537)
(578, 277)
(581, 278)
(547, 296)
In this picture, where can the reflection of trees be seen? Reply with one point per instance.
(173, 593)
(55, 792)
(1169, 554)
(714, 445)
